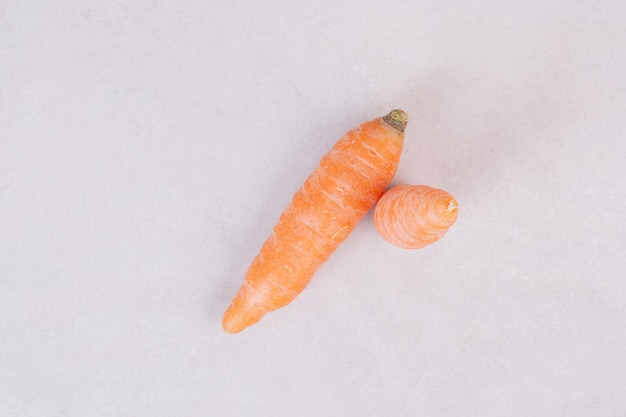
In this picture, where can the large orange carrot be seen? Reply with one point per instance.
(350, 178)
(414, 216)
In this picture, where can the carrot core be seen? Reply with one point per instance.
(397, 119)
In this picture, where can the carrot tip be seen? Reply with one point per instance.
(446, 210)
(397, 119)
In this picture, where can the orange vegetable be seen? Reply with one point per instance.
(349, 180)
(414, 216)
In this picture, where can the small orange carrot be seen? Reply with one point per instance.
(414, 216)
(349, 180)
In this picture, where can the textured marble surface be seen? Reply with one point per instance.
(147, 149)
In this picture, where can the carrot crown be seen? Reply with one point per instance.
(397, 119)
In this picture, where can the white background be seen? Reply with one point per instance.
(148, 147)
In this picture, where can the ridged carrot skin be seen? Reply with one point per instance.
(414, 216)
(348, 181)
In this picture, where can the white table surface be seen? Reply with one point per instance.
(147, 149)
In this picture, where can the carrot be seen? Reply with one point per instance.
(414, 216)
(348, 181)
